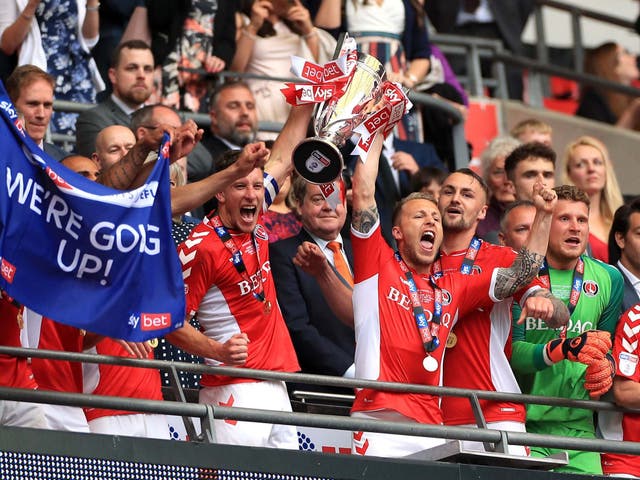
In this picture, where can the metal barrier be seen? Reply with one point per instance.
(207, 413)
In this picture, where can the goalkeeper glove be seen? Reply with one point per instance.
(599, 376)
(586, 348)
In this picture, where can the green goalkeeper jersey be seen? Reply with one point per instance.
(598, 308)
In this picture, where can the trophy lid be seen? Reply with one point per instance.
(317, 160)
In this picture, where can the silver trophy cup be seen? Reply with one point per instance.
(318, 159)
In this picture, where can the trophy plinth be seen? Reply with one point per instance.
(317, 160)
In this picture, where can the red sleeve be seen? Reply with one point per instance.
(197, 272)
(368, 249)
(625, 344)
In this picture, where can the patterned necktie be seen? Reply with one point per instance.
(340, 263)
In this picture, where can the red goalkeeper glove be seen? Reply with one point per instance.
(586, 348)
(599, 376)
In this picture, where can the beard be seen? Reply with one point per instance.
(242, 138)
(459, 225)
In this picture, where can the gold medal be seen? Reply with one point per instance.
(267, 307)
(452, 340)
(20, 319)
(153, 342)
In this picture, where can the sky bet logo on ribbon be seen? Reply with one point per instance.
(81, 253)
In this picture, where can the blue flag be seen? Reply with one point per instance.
(83, 254)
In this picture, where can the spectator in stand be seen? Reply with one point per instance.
(494, 19)
(242, 326)
(234, 124)
(57, 36)
(428, 180)
(31, 91)
(516, 222)
(268, 34)
(300, 264)
(533, 130)
(392, 31)
(114, 17)
(572, 362)
(112, 143)
(189, 35)
(131, 76)
(528, 164)
(610, 61)
(281, 221)
(501, 190)
(624, 249)
(587, 165)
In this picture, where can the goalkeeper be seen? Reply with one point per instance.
(573, 362)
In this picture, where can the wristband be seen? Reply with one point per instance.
(93, 9)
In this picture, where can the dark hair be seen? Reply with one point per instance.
(426, 175)
(22, 77)
(143, 115)
(526, 151)
(621, 225)
(130, 44)
(213, 98)
(226, 159)
(512, 206)
(470, 173)
(412, 196)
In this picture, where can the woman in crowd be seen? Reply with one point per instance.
(612, 62)
(501, 189)
(587, 165)
(56, 35)
(269, 32)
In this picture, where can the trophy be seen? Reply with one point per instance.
(318, 159)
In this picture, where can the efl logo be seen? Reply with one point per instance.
(7, 270)
(155, 321)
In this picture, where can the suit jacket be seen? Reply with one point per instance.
(90, 122)
(324, 344)
(510, 16)
(55, 151)
(630, 297)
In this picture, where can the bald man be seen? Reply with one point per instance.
(112, 143)
(85, 166)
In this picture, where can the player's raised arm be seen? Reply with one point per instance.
(365, 212)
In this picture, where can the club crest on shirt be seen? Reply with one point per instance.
(590, 288)
(260, 232)
(446, 297)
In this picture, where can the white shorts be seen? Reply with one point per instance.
(62, 417)
(258, 395)
(145, 425)
(509, 426)
(388, 444)
(22, 414)
(620, 475)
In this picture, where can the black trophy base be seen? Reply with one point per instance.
(317, 161)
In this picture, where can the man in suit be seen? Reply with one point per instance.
(234, 124)
(624, 250)
(312, 294)
(31, 91)
(131, 76)
(495, 19)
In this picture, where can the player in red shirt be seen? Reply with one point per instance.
(401, 336)
(228, 283)
(479, 347)
(15, 371)
(626, 391)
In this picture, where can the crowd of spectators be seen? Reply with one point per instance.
(272, 279)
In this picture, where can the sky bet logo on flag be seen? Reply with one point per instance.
(83, 254)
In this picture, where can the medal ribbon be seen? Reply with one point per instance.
(467, 264)
(236, 255)
(576, 286)
(428, 329)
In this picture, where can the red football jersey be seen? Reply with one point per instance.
(14, 371)
(388, 344)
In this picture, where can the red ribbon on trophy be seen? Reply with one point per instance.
(394, 106)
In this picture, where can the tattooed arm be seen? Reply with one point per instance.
(365, 212)
(542, 304)
(529, 259)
